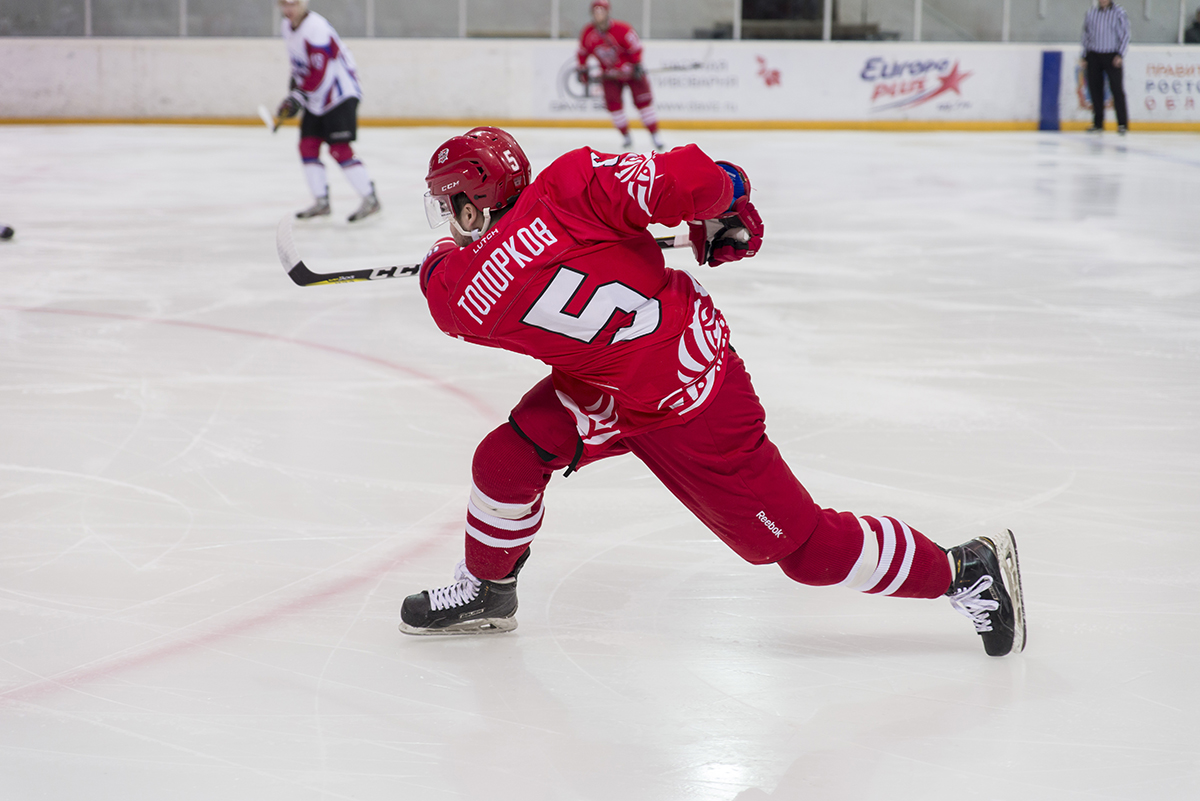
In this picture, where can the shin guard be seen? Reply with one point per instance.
(881, 556)
(505, 509)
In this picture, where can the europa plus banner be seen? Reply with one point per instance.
(789, 81)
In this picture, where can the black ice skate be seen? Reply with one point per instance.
(320, 208)
(370, 205)
(987, 588)
(468, 606)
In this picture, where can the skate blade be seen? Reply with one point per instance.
(493, 625)
(1006, 552)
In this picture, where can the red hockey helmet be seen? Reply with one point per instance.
(603, 3)
(486, 164)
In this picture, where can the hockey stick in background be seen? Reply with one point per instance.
(695, 65)
(597, 76)
(268, 120)
(299, 272)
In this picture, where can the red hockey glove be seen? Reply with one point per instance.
(581, 74)
(736, 234)
(289, 108)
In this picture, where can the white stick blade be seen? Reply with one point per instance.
(289, 257)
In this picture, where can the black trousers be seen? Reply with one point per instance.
(1099, 65)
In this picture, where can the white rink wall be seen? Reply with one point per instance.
(697, 82)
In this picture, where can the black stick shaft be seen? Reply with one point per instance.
(300, 273)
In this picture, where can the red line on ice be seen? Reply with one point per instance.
(474, 402)
(107, 668)
(103, 668)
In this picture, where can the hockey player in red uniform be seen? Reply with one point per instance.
(616, 46)
(563, 269)
(324, 86)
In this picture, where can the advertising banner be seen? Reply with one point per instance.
(1162, 85)
(779, 81)
(701, 83)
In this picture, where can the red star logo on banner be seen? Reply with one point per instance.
(947, 83)
(950, 82)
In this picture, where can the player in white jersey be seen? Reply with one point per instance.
(325, 86)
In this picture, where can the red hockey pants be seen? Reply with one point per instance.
(722, 466)
(638, 87)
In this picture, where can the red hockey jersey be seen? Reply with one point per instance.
(571, 277)
(616, 47)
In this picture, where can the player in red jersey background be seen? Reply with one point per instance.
(564, 270)
(616, 46)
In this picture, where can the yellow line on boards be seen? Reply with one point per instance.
(712, 125)
(1134, 125)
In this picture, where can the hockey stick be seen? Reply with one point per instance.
(695, 65)
(299, 272)
(597, 76)
(268, 120)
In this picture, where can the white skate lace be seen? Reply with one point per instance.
(462, 591)
(967, 602)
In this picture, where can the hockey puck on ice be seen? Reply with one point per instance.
(6, 232)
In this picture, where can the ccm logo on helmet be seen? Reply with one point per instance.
(489, 282)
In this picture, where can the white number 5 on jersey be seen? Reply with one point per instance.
(549, 312)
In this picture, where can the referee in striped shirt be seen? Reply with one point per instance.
(1105, 39)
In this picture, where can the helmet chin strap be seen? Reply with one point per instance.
(474, 236)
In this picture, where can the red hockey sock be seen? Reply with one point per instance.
(342, 153)
(874, 555)
(649, 118)
(310, 148)
(620, 122)
(505, 509)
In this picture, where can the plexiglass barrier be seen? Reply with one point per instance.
(1151, 21)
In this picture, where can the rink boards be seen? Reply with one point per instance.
(697, 83)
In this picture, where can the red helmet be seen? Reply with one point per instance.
(603, 3)
(485, 163)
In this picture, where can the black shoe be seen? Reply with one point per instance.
(1096, 129)
(987, 588)
(1122, 130)
(468, 606)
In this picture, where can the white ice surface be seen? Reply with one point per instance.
(216, 487)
